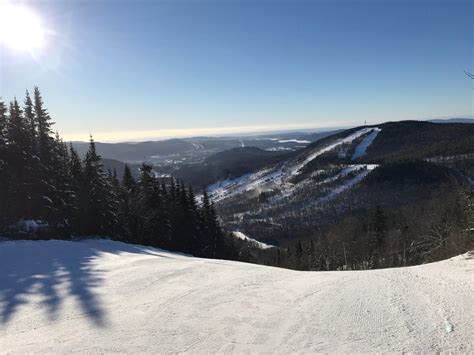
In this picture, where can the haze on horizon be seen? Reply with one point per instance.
(125, 72)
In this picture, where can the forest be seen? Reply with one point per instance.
(48, 191)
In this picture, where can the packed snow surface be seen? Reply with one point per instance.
(98, 296)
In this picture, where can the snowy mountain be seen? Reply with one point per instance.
(283, 175)
(327, 180)
(101, 296)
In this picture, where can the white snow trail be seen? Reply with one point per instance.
(259, 244)
(99, 296)
(366, 142)
(296, 169)
(277, 175)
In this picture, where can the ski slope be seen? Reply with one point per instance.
(366, 142)
(281, 175)
(102, 296)
(258, 244)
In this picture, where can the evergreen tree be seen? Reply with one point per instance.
(18, 197)
(42, 178)
(61, 193)
(97, 211)
(4, 171)
(126, 212)
(377, 234)
(33, 183)
(45, 148)
(43, 123)
(76, 174)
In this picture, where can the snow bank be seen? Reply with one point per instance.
(29, 225)
(101, 296)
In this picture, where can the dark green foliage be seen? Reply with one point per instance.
(419, 140)
(410, 172)
(41, 179)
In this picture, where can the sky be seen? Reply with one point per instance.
(135, 70)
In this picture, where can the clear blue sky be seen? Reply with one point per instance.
(128, 69)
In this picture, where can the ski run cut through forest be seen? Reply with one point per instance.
(281, 175)
(105, 296)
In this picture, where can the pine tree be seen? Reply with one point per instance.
(28, 108)
(61, 193)
(212, 229)
(128, 181)
(143, 205)
(42, 178)
(126, 213)
(377, 234)
(193, 217)
(4, 171)
(98, 215)
(76, 174)
(45, 152)
(18, 198)
(33, 182)
(43, 123)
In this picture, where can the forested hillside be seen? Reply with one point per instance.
(420, 140)
(48, 191)
(349, 200)
(228, 164)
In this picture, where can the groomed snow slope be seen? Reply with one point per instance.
(104, 296)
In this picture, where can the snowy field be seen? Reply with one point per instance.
(104, 296)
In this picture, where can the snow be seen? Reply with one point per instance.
(338, 142)
(348, 184)
(281, 175)
(347, 170)
(366, 142)
(260, 245)
(98, 296)
(29, 225)
(278, 149)
(294, 141)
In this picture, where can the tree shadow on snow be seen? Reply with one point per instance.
(55, 270)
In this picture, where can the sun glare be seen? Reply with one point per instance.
(20, 28)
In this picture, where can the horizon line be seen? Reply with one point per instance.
(177, 133)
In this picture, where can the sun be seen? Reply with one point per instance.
(20, 28)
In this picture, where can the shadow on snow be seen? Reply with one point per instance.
(47, 268)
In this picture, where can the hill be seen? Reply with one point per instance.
(101, 296)
(421, 140)
(453, 120)
(119, 167)
(305, 192)
(135, 152)
(228, 164)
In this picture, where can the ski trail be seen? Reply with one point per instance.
(366, 142)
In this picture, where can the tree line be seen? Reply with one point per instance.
(48, 191)
(433, 229)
